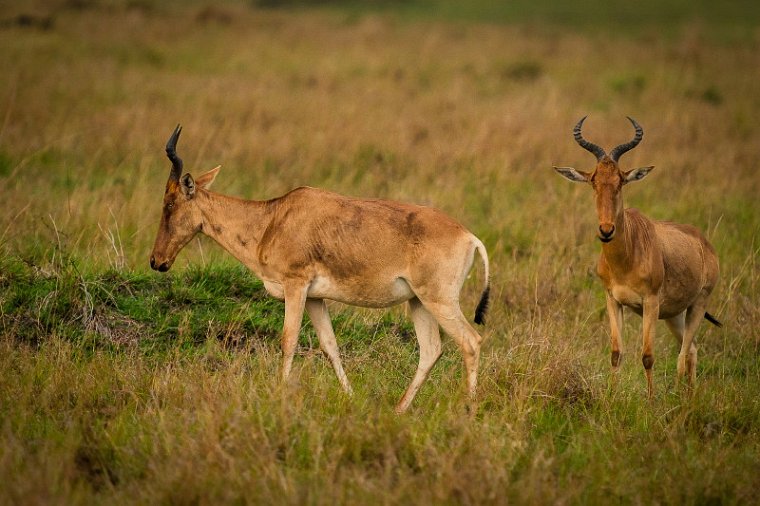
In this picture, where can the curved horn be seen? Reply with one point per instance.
(616, 153)
(593, 148)
(171, 153)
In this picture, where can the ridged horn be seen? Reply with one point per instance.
(171, 153)
(589, 146)
(616, 153)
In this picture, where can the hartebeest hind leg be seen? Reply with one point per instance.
(320, 319)
(453, 322)
(677, 326)
(684, 327)
(429, 338)
(687, 358)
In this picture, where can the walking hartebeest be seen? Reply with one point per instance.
(659, 269)
(310, 245)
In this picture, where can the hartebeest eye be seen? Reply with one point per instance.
(170, 206)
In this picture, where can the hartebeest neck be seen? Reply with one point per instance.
(235, 224)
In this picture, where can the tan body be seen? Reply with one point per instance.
(678, 266)
(661, 270)
(341, 248)
(311, 245)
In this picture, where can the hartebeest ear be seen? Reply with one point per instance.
(577, 176)
(187, 184)
(205, 180)
(636, 174)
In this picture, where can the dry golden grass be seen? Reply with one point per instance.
(466, 117)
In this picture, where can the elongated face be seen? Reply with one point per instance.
(180, 221)
(181, 217)
(607, 180)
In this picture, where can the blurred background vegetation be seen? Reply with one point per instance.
(120, 384)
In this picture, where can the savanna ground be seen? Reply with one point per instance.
(118, 384)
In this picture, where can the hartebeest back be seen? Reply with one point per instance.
(658, 269)
(310, 245)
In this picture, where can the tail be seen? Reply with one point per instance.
(480, 311)
(710, 318)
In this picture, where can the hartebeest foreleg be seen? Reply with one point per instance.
(615, 313)
(320, 319)
(429, 339)
(651, 313)
(295, 301)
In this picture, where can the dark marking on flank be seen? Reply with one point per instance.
(298, 266)
(216, 228)
(615, 359)
(356, 220)
(648, 361)
(242, 241)
(316, 254)
(343, 267)
(413, 228)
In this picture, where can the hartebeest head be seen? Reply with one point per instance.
(180, 218)
(607, 179)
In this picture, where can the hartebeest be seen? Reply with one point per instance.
(310, 245)
(658, 269)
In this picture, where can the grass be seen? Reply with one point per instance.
(118, 384)
(193, 411)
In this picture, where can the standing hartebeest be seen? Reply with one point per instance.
(310, 245)
(658, 269)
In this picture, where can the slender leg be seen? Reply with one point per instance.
(320, 318)
(451, 319)
(429, 338)
(687, 358)
(677, 326)
(295, 299)
(651, 313)
(615, 313)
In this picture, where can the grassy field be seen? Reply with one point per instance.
(121, 385)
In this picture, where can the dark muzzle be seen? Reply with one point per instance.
(606, 232)
(156, 267)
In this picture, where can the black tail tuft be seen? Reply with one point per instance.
(480, 311)
(710, 318)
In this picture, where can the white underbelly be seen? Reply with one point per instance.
(359, 293)
(386, 294)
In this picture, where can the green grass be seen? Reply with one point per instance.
(132, 387)
(122, 385)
